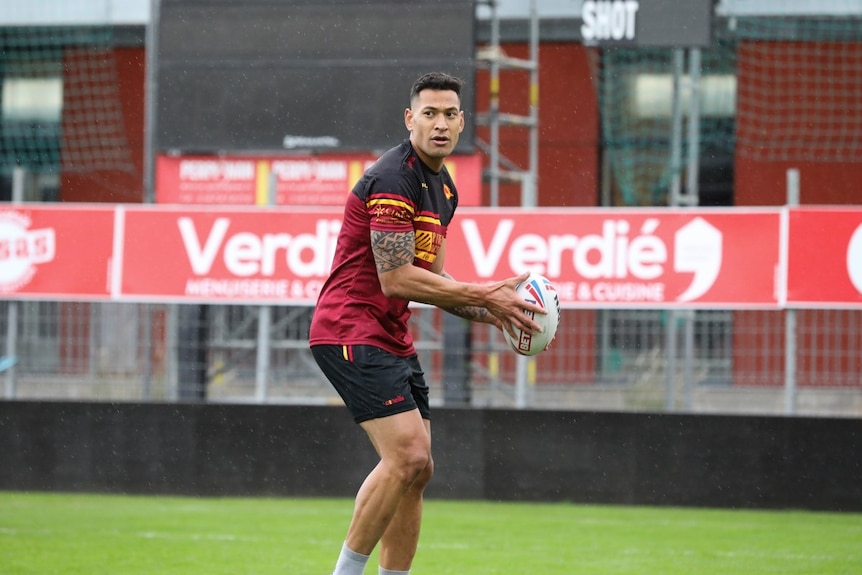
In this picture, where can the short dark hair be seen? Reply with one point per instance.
(436, 81)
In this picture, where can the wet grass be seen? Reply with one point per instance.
(74, 534)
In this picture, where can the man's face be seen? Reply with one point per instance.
(435, 121)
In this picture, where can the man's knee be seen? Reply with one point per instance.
(404, 447)
(425, 475)
(415, 464)
(415, 473)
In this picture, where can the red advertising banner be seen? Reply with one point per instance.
(51, 252)
(655, 258)
(626, 258)
(208, 255)
(299, 180)
(598, 258)
(825, 257)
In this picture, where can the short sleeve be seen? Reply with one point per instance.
(390, 205)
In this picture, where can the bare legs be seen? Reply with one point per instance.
(388, 506)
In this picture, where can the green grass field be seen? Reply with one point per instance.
(45, 534)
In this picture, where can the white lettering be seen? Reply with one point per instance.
(202, 258)
(320, 246)
(613, 254)
(529, 252)
(237, 288)
(198, 170)
(292, 170)
(603, 246)
(698, 250)
(486, 260)
(242, 254)
(271, 244)
(246, 253)
(290, 142)
(208, 170)
(854, 259)
(557, 246)
(609, 20)
(310, 170)
(628, 291)
(647, 253)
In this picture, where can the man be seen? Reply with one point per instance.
(390, 251)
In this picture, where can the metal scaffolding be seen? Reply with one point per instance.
(494, 58)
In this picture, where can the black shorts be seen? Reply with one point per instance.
(372, 382)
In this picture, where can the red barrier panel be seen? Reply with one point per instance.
(56, 253)
(299, 180)
(598, 258)
(626, 258)
(825, 263)
(212, 255)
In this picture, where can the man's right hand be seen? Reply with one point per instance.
(504, 303)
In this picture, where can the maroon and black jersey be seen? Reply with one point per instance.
(397, 194)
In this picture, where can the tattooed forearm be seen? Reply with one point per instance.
(392, 249)
(473, 313)
(470, 312)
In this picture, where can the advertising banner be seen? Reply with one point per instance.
(602, 258)
(597, 258)
(299, 180)
(210, 255)
(825, 257)
(631, 258)
(49, 252)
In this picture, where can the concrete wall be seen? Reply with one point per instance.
(627, 458)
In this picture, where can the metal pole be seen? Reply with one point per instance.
(530, 185)
(528, 188)
(692, 199)
(692, 192)
(676, 129)
(11, 348)
(790, 361)
(790, 315)
(688, 359)
(151, 100)
(522, 369)
(673, 201)
(264, 322)
(670, 361)
(18, 176)
(147, 352)
(494, 108)
(264, 327)
(172, 389)
(494, 137)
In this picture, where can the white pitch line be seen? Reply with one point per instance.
(195, 536)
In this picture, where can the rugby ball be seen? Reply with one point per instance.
(537, 289)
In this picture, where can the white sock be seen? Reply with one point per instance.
(350, 562)
(383, 571)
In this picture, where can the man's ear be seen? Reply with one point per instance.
(408, 119)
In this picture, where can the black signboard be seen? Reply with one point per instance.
(647, 23)
(322, 75)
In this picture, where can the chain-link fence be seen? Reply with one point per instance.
(633, 360)
(760, 72)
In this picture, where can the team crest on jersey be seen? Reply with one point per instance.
(447, 191)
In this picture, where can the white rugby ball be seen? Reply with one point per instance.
(537, 289)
